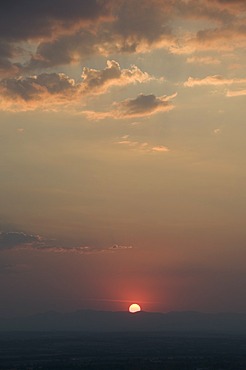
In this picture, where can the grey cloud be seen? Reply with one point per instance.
(148, 23)
(110, 37)
(12, 239)
(32, 87)
(87, 250)
(68, 31)
(25, 93)
(141, 106)
(98, 80)
(117, 247)
(28, 242)
(95, 78)
(229, 3)
(63, 50)
(43, 21)
(34, 19)
(7, 51)
(147, 26)
(144, 105)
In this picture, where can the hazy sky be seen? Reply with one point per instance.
(122, 138)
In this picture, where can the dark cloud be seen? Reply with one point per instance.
(28, 19)
(22, 241)
(63, 50)
(31, 87)
(229, 3)
(43, 21)
(8, 51)
(67, 31)
(141, 106)
(144, 105)
(145, 28)
(117, 247)
(63, 32)
(84, 249)
(148, 24)
(13, 239)
(48, 90)
(100, 80)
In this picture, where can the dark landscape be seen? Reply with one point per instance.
(92, 340)
(121, 351)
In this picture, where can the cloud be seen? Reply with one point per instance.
(86, 250)
(68, 31)
(120, 247)
(45, 91)
(37, 23)
(36, 20)
(231, 5)
(160, 149)
(144, 105)
(213, 80)
(147, 28)
(227, 38)
(45, 36)
(203, 60)
(136, 145)
(8, 51)
(50, 90)
(217, 131)
(235, 93)
(96, 81)
(28, 242)
(141, 106)
(12, 239)
(31, 88)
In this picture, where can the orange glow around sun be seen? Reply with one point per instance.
(134, 308)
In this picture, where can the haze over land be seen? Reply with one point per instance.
(122, 136)
(84, 321)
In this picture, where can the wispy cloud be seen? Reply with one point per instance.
(235, 93)
(28, 242)
(161, 149)
(213, 80)
(203, 60)
(141, 146)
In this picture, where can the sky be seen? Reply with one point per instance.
(122, 141)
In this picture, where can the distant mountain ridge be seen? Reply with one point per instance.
(96, 321)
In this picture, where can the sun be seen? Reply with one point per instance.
(134, 307)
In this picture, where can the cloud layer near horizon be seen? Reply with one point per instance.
(15, 240)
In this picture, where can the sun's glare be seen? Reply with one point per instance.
(133, 308)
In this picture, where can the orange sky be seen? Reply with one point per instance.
(122, 155)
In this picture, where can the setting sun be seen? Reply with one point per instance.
(134, 308)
